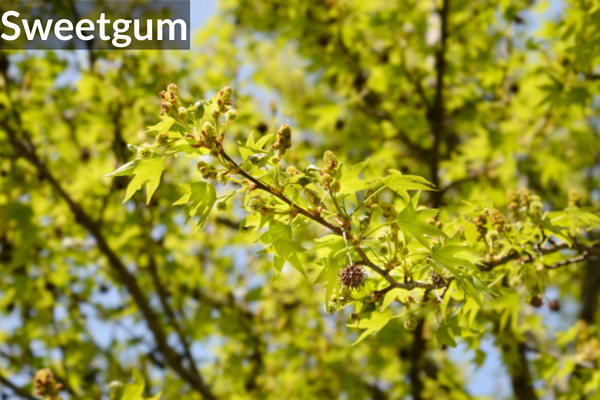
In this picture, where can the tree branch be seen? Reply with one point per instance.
(26, 149)
(17, 390)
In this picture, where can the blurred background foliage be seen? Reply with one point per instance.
(476, 96)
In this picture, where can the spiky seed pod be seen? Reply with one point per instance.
(536, 301)
(410, 324)
(554, 305)
(335, 187)
(352, 277)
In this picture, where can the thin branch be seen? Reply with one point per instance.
(281, 196)
(17, 390)
(26, 149)
(568, 261)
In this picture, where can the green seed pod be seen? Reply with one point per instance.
(493, 236)
(162, 138)
(410, 324)
(331, 308)
(335, 187)
(221, 206)
(384, 249)
(231, 116)
(536, 208)
(255, 204)
(145, 151)
(326, 179)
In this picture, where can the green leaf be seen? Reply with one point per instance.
(445, 336)
(402, 183)
(163, 126)
(328, 274)
(373, 322)
(286, 249)
(446, 256)
(390, 296)
(413, 222)
(276, 232)
(126, 169)
(149, 171)
(203, 197)
(132, 391)
(349, 181)
(450, 256)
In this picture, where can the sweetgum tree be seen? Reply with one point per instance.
(405, 124)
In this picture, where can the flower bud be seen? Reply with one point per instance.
(209, 129)
(225, 94)
(183, 114)
(284, 139)
(291, 170)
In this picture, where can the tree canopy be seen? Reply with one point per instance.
(321, 200)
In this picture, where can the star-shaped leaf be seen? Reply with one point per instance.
(203, 197)
(413, 222)
(328, 274)
(146, 172)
